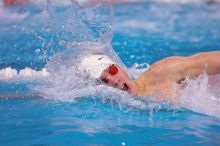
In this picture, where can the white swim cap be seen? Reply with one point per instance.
(95, 64)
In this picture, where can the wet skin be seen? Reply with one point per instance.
(117, 77)
(158, 80)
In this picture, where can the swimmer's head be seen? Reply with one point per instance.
(95, 64)
(102, 68)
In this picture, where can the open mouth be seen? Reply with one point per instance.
(125, 87)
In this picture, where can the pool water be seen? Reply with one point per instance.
(142, 34)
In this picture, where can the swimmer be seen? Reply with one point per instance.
(157, 81)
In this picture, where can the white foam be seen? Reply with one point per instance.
(10, 74)
(201, 96)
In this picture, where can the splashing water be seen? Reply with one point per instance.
(88, 31)
(201, 95)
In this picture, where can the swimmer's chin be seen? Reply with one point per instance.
(130, 87)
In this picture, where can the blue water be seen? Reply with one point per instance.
(91, 122)
(143, 33)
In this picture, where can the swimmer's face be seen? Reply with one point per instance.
(118, 78)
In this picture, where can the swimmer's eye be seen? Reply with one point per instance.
(125, 87)
(113, 70)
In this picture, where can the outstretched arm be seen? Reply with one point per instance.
(163, 73)
(208, 62)
(177, 68)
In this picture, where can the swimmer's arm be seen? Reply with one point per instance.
(208, 62)
(175, 69)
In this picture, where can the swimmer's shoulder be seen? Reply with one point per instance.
(170, 63)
